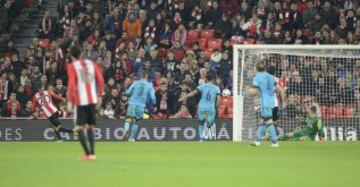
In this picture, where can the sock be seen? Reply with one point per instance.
(127, 126)
(57, 133)
(62, 129)
(213, 131)
(261, 132)
(83, 141)
(272, 132)
(202, 131)
(133, 131)
(208, 131)
(90, 132)
(208, 123)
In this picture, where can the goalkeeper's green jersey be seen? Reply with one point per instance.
(314, 126)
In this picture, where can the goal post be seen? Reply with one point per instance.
(327, 76)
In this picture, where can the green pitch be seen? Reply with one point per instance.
(220, 164)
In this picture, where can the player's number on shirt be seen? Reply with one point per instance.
(43, 100)
(86, 77)
(208, 95)
(141, 90)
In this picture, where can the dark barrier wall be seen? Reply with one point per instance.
(112, 130)
(335, 129)
(162, 130)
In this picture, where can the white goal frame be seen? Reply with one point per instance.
(238, 93)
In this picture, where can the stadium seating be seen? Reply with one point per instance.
(214, 43)
(330, 112)
(207, 33)
(203, 43)
(323, 111)
(193, 36)
(249, 41)
(348, 112)
(339, 112)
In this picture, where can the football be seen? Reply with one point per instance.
(226, 92)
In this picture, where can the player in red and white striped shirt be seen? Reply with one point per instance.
(85, 88)
(44, 100)
(280, 97)
(4, 87)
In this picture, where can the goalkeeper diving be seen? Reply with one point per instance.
(313, 128)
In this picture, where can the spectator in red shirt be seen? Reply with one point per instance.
(94, 39)
(252, 27)
(12, 107)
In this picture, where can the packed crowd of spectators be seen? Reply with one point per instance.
(176, 41)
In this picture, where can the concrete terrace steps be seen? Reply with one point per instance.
(25, 27)
(27, 31)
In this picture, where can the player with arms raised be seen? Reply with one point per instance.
(210, 95)
(265, 85)
(43, 99)
(86, 86)
(139, 93)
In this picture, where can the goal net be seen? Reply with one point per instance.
(326, 76)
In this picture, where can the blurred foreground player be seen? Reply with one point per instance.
(44, 100)
(85, 88)
(210, 95)
(139, 92)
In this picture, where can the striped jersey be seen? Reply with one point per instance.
(44, 100)
(86, 82)
(4, 89)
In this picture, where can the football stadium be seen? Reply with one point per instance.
(213, 93)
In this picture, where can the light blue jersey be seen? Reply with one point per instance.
(266, 83)
(207, 104)
(209, 93)
(139, 92)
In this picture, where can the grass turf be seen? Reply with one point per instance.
(147, 164)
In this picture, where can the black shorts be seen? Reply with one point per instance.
(276, 114)
(85, 115)
(54, 119)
